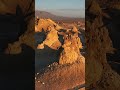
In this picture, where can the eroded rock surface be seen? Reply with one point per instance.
(71, 46)
(99, 74)
(71, 52)
(26, 38)
(66, 45)
(43, 24)
(51, 39)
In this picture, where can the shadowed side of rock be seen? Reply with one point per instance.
(99, 73)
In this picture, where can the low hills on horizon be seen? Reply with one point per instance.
(45, 15)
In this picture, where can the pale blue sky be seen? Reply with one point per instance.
(70, 8)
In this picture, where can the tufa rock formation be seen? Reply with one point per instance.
(23, 15)
(71, 52)
(51, 39)
(43, 24)
(26, 38)
(69, 70)
(99, 74)
(71, 46)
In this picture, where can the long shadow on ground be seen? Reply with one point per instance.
(45, 57)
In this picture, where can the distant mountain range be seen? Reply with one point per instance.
(44, 14)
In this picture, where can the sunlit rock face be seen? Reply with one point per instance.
(43, 24)
(49, 28)
(71, 45)
(71, 52)
(98, 43)
(51, 39)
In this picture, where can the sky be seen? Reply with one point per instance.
(69, 8)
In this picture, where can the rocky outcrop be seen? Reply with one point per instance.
(71, 52)
(23, 27)
(51, 39)
(99, 74)
(63, 45)
(26, 38)
(72, 43)
(43, 24)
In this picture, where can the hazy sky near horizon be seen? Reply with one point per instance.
(70, 8)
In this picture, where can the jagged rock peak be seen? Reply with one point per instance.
(71, 52)
(43, 24)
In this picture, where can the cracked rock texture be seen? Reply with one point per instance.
(99, 74)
